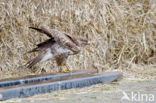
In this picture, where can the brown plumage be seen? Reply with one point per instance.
(58, 47)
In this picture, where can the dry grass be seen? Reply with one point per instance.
(121, 32)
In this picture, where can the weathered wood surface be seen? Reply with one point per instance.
(39, 78)
(67, 82)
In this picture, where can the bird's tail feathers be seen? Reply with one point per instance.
(33, 50)
(34, 61)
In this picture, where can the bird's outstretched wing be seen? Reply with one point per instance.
(43, 45)
(62, 38)
(42, 30)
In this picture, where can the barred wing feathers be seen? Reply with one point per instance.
(62, 38)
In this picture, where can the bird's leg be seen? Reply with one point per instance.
(63, 70)
(68, 68)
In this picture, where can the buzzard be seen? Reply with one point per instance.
(58, 47)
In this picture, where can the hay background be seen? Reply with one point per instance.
(122, 34)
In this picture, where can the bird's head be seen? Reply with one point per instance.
(83, 42)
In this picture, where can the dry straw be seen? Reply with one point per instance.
(121, 33)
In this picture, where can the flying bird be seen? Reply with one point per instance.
(59, 47)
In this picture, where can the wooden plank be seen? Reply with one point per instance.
(57, 84)
(39, 78)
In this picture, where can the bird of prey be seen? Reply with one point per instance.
(58, 47)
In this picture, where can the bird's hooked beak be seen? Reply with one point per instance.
(84, 42)
(88, 43)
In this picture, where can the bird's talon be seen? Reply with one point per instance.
(69, 70)
(64, 71)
